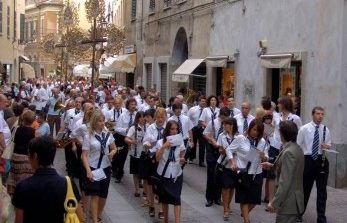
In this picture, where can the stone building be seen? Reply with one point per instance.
(248, 49)
(11, 38)
(41, 19)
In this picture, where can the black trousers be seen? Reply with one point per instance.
(73, 161)
(119, 159)
(198, 137)
(213, 186)
(314, 172)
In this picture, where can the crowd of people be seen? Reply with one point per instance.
(100, 128)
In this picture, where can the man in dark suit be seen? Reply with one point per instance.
(288, 201)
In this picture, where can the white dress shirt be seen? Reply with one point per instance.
(242, 146)
(71, 118)
(224, 140)
(114, 114)
(140, 133)
(187, 125)
(5, 130)
(91, 144)
(240, 120)
(122, 124)
(212, 128)
(174, 168)
(236, 111)
(194, 114)
(151, 135)
(306, 136)
(80, 131)
(207, 114)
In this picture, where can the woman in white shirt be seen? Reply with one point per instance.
(250, 151)
(170, 159)
(211, 112)
(97, 150)
(227, 176)
(134, 138)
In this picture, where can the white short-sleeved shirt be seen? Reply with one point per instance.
(242, 146)
(187, 125)
(93, 146)
(122, 124)
(194, 114)
(212, 128)
(71, 118)
(140, 133)
(208, 113)
(236, 111)
(306, 136)
(4, 129)
(174, 168)
(224, 140)
(240, 121)
(80, 131)
(151, 135)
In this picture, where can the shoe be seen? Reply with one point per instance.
(161, 215)
(265, 201)
(299, 219)
(190, 161)
(144, 194)
(209, 204)
(218, 202)
(137, 194)
(117, 181)
(202, 165)
(226, 216)
(151, 212)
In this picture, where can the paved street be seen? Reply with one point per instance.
(123, 207)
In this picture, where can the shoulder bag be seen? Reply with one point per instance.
(158, 180)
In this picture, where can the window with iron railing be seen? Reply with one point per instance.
(133, 9)
(22, 28)
(151, 5)
(167, 4)
(0, 17)
(8, 22)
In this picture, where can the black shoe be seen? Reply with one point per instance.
(209, 204)
(117, 181)
(218, 202)
(299, 219)
(202, 165)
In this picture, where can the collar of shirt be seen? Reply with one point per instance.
(45, 171)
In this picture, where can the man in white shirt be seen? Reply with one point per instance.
(244, 118)
(124, 122)
(185, 126)
(180, 99)
(231, 106)
(194, 114)
(314, 138)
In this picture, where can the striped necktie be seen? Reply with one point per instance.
(245, 125)
(179, 125)
(315, 144)
(220, 130)
(130, 120)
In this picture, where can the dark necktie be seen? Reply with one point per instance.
(315, 145)
(231, 112)
(130, 120)
(251, 141)
(171, 157)
(229, 141)
(179, 125)
(200, 112)
(102, 141)
(245, 124)
(220, 130)
(77, 111)
(160, 135)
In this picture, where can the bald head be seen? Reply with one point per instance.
(245, 108)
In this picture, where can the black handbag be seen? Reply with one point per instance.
(243, 178)
(157, 180)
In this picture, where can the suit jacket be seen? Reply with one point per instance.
(289, 195)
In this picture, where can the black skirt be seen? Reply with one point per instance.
(144, 166)
(252, 193)
(153, 166)
(98, 188)
(134, 165)
(228, 178)
(171, 193)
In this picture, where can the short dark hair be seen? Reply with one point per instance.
(17, 109)
(286, 103)
(266, 103)
(177, 106)
(45, 149)
(317, 108)
(289, 131)
(150, 112)
(224, 112)
(130, 100)
(201, 97)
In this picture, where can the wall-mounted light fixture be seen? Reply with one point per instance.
(263, 47)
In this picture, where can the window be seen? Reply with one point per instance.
(151, 5)
(167, 4)
(8, 22)
(133, 10)
(0, 17)
(22, 27)
(15, 26)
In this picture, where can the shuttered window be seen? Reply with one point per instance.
(0, 17)
(149, 76)
(163, 81)
(151, 5)
(167, 3)
(22, 27)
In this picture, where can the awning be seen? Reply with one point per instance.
(27, 70)
(122, 63)
(217, 61)
(82, 70)
(186, 69)
(276, 60)
(25, 58)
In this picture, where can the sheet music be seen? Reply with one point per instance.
(176, 140)
(98, 174)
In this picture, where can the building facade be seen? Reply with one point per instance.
(41, 19)
(11, 38)
(248, 49)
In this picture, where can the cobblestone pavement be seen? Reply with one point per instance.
(122, 206)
